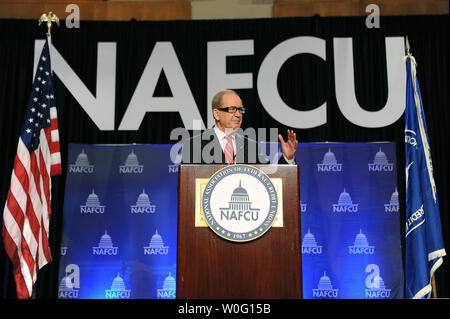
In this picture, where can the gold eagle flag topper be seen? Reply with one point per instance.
(49, 18)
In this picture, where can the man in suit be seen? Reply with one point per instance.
(225, 143)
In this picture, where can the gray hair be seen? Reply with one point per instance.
(217, 99)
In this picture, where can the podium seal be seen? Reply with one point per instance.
(240, 203)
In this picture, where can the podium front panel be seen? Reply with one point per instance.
(209, 266)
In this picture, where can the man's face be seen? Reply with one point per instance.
(226, 120)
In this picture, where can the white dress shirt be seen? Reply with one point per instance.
(222, 140)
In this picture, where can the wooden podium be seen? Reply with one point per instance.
(209, 266)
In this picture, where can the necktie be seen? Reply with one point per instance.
(229, 153)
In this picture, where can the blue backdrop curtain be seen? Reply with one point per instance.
(119, 236)
(351, 244)
(428, 36)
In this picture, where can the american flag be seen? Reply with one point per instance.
(26, 216)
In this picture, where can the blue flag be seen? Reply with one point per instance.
(424, 243)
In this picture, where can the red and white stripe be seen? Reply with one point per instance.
(229, 152)
(26, 216)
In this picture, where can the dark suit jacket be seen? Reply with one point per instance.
(205, 148)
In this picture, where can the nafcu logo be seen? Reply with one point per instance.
(329, 163)
(131, 165)
(81, 165)
(380, 163)
(375, 284)
(70, 284)
(92, 205)
(345, 204)
(240, 203)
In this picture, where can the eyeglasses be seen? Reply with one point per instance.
(232, 109)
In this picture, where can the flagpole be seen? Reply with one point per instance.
(49, 18)
(433, 287)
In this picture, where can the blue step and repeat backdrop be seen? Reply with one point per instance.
(120, 222)
(350, 221)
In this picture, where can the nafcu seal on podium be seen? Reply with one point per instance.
(239, 203)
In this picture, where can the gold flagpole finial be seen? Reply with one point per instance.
(49, 18)
(407, 46)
